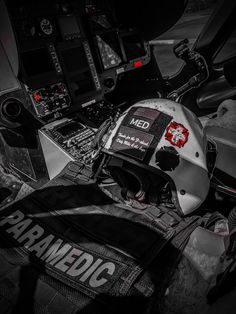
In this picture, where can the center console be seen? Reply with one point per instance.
(63, 141)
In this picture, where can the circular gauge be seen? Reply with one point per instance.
(46, 27)
(90, 7)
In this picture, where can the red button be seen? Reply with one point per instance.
(37, 97)
(138, 63)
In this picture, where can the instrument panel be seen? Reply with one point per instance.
(72, 53)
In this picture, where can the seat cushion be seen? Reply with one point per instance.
(225, 116)
(221, 135)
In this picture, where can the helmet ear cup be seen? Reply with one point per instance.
(137, 183)
(133, 180)
(125, 179)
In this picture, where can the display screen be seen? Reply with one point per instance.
(36, 62)
(110, 50)
(133, 46)
(82, 83)
(69, 128)
(76, 65)
(74, 59)
(69, 26)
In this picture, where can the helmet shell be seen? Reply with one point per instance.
(166, 138)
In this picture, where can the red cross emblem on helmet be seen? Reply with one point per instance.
(177, 134)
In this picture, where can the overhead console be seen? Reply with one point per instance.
(71, 54)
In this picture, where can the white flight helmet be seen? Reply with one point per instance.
(158, 142)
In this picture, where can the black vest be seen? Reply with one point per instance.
(69, 248)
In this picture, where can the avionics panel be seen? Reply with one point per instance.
(43, 65)
(119, 51)
(134, 47)
(71, 53)
(79, 70)
(73, 137)
(56, 62)
(69, 27)
(109, 50)
(40, 65)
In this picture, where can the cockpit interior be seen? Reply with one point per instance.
(80, 82)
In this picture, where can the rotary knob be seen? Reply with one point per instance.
(109, 82)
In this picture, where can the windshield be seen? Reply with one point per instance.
(189, 26)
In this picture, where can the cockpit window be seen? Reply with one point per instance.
(189, 26)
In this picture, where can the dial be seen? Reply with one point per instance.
(46, 27)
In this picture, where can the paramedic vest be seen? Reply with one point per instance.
(69, 248)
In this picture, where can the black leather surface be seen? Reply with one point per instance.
(221, 135)
(226, 148)
(214, 92)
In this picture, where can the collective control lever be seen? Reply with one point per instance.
(193, 58)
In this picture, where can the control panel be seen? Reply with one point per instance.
(96, 114)
(72, 137)
(50, 99)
